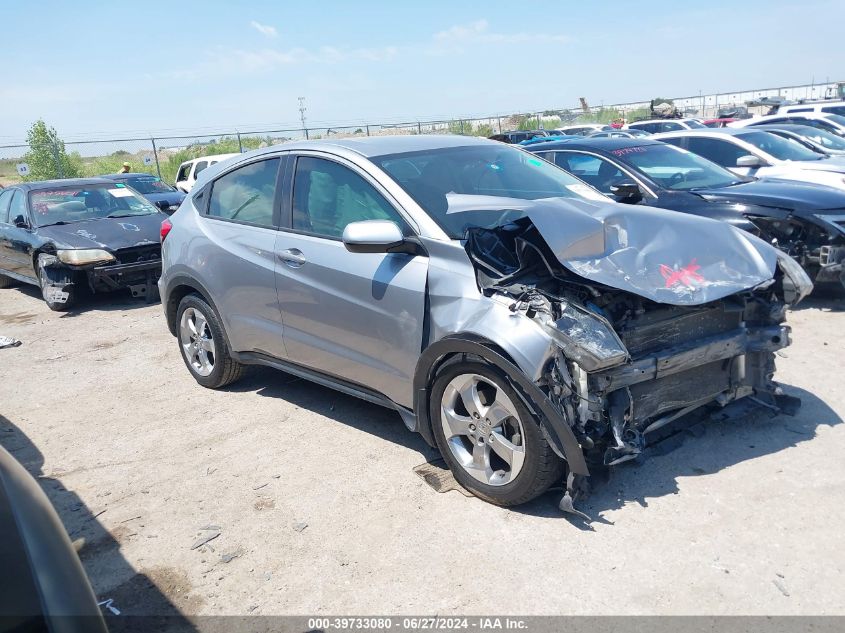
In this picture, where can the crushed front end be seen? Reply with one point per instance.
(628, 363)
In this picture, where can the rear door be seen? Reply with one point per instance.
(239, 216)
(18, 242)
(5, 226)
(356, 316)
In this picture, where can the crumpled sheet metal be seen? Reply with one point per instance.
(665, 256)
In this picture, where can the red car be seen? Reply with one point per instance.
(719, 122)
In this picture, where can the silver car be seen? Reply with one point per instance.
(517, 319)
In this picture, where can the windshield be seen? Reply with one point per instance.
(826, 139)
(836, 118)
(148, 184)
(779, 147)
(693, 124)
(675, 168)
(479, 170)
(63, 205)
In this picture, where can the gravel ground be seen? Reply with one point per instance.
(314, 507)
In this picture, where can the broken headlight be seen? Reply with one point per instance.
(796, 283)
(82, 256)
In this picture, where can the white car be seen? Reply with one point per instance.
(189, 170)
(655, 126)
(823, 120)
(822, 107)
(750, 152)
(581, 130)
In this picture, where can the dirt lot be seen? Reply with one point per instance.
(319, 510)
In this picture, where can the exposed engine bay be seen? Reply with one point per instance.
(625, 365)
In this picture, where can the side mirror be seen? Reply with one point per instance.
(164, 205)
(749, 161)
(377, 236)
(627, 192)
(21, 222)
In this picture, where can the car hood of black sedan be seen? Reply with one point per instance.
(108, 233)
(781, 194)
(173, 198)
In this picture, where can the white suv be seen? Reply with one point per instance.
(656, 126)
(189, 170)
(830, 107)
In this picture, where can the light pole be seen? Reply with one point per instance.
(302, 109)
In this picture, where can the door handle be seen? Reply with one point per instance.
(293, 257)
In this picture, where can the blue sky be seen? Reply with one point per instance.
(151, 67)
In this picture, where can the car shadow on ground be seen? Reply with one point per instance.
(824, 301)
(348, 410)
(139, 599)
(119, 300)
(705, 449)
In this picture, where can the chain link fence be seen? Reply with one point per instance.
(162, 155)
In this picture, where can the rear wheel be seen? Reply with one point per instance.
(203, 344)
(58, 299)
(489, 439)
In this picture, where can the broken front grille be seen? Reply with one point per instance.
(138, 254)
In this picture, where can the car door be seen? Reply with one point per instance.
(356, 316)
(18, 241)
(5, 233)
(182, 177)
(722, 152)
(239, 216)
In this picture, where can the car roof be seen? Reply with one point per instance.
(787, 127)
(65, 182)
(710, 131)
(138, 174)
(603, 143)
(372, 146)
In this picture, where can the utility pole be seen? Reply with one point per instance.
(302, 109)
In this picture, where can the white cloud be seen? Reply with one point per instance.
(264, 29)
(479, 32)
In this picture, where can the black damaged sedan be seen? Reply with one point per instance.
(806, 221)
(69, 235)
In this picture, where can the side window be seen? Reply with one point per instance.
(671, 127)
(246, 194)
(5, 199)
(839, 109)
(791, 110)
(720, 152)
(677, 142)
(598, 172)
(18, 206)
(327, 196)
(184, 170)
(200, 166)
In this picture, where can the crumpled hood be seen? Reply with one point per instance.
(665, 256)
(781, 194)
(108, 233)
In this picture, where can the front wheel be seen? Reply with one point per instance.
(203, 345)
(489, 439)
(58, 299)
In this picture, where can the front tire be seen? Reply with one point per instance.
(203, 344)
(491, 442)
(48, 292)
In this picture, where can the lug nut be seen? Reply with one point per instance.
(475, 415)
(471, 427)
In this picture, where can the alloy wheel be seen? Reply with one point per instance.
(197, 341)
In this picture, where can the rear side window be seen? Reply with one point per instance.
(200, 166)
(840, 109)
(720, 152)
(671, 127)
(246, 194)
(5, 199)
(184, 170)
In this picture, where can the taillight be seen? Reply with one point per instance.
(165, 229)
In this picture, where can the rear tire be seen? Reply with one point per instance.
(203, 345)
(496, 449)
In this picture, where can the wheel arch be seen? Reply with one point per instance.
(180, 287)
(435, 355)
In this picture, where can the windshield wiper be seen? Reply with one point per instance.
(126, 215)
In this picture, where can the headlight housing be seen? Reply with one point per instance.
(82, 256)
(796, 283)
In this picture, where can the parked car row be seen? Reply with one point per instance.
(499, 298)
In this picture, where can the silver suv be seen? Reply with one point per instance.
(521, 322)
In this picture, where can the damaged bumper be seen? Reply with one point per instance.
(140, 278)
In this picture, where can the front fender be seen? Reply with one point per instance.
(557, 429)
